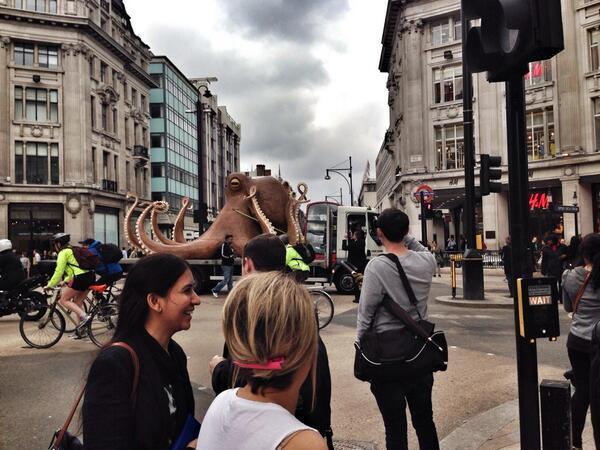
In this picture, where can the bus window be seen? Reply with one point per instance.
(373, 226)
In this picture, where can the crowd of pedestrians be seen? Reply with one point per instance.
(272, 380)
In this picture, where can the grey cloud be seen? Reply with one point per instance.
(290, 20)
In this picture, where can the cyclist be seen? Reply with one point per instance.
(11, 269)
(294, 261)
(77, 279)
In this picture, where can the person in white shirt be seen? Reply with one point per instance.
(271, 332)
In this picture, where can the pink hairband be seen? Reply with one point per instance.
(271, 364)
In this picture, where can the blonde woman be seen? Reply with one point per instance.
(270, 329)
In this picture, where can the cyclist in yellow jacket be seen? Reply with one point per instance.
(294, 261)
(77, 280)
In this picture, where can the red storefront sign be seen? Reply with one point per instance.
(538, 200)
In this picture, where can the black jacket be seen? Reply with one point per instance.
(11, 270)
(108, 419)
(356, 254)
(227, 255)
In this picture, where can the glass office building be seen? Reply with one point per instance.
(173, 138)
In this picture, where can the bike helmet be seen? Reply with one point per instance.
(61, 238)
(5, 245)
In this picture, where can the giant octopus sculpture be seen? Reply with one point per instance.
(252, 206)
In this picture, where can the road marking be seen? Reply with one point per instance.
(490, 354)
(463, 316)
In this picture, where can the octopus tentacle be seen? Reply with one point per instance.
(160, 207)
(178, 235)
(128, 230)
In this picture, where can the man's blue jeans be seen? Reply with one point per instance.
(227, 279)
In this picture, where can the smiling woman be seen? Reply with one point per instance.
(157, 301)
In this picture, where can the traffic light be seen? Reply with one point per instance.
(490, 170)
(512, 34)
(429, 213)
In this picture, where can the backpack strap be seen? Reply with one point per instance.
(581, 291)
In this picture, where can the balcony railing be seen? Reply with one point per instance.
(140, 151)
(109, 185)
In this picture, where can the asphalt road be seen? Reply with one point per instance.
(37, 387)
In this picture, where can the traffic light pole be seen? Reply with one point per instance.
(423, 219)
(473, 262)
(529, 413)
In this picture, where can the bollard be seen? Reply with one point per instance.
(555, 397)
(453, 276)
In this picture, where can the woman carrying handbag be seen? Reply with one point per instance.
(157, 301)
(581, 296)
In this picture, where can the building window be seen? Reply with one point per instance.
(156, 110)
(126, 132)
(105, 165)
(157, 140)
(92, 67)
(48, 56)
(597, 121)
(93, 110)
(103, 72)
(594, 39)
(127, 180)
(115, 124)
(36, 105)
(446, 30)
(143, 102)
(24, 54)
(158, 79)
(540, 135)
(539, 72)
(134, 97)
(36, 163)
(104, 116)
(449, 147)
(106, 225)
(94, 169)
(447, 84)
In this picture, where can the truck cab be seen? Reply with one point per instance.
(327, 228)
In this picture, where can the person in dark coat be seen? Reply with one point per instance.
(157, 301)
(11, 269)
(506, 253)
(357, 256)
(554, 255)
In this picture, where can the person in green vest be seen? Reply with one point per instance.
(294, 261)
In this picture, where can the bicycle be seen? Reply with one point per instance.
(323, 306)
(48, 330)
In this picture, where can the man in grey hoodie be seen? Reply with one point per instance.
(381, 278)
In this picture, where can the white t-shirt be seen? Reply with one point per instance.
(234, 423)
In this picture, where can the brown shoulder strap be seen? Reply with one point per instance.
(136, 377)
(581, 291)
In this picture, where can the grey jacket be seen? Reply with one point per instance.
(381, 277)
(588, 312)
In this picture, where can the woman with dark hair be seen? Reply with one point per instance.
(157, 301)
(581, 296)
(574, 253)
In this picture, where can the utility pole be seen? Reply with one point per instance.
(473, 285)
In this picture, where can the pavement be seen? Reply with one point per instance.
(38, 386)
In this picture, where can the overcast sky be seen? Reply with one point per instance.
(299, 75)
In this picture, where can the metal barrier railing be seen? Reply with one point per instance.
(491, 259)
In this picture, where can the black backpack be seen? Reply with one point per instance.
(85, 258)
(306, 251)
(110, 253)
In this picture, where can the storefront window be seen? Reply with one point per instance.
(106, 225)
(32, 225)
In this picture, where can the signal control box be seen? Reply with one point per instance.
(538, 308)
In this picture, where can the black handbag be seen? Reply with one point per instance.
(412, 351)
(62, 439)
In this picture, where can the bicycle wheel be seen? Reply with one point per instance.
(36, 305)
(102, 324)
(43, 333)
(323, 307)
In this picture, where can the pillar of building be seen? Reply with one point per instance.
(495, 218)
(5, 96)
(585, 200)
(75, 130)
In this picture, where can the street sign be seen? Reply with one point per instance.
(427, 193)
(566, 209)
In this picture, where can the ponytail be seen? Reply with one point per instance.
(590, 250)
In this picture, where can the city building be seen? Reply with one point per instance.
(423, 146)
(368, 189)
(259, 171)
(74, 120)
(173, 143)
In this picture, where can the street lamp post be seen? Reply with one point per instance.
(335, 197)
(200, 211)
(349, 181)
